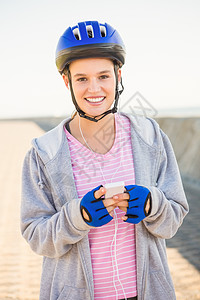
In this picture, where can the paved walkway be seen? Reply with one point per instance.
(20, 268)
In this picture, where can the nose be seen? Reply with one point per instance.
(94, 86)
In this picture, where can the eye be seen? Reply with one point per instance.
(81, 79)
(104, 77)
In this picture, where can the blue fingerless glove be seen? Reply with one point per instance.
(95, 209)
(139, 196)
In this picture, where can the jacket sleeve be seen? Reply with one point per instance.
(169, 203)
(49, 232)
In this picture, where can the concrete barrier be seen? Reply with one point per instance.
(184, 134)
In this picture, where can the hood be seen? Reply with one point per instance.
(48, 145)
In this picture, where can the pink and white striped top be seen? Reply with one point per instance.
(112, 246)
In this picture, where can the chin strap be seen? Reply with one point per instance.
(113, 110)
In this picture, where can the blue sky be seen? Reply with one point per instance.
(161, 37)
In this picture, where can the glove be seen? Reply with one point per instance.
(95, 209)
(139, 196)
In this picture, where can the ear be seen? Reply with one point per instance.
(119, 73)
(66, 80)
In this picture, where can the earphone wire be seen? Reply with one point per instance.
(115, 266)
(115, 255)
(95, 154)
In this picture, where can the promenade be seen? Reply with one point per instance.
(20, 268)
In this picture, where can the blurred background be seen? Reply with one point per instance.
(161, 37)
(161, 79)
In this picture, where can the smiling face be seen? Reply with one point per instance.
(93, 83)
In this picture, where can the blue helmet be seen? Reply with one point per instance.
(89, 39)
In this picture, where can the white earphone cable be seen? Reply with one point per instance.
(115, 266)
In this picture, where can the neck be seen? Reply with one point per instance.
(99, 135)
(90, 128)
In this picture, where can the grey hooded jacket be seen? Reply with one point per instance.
(52, 224)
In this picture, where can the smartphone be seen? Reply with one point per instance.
(114, 188)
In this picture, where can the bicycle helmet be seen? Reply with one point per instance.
(90, 39)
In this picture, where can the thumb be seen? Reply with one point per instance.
(100, 192)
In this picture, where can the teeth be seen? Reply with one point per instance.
(95, 99)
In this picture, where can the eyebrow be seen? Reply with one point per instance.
(83, 74)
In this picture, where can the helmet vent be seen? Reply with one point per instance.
(90, 31)
(103, 30)
(76, 33)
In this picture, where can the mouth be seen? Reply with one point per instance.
(95, 99)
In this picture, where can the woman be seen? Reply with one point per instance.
(94, 246)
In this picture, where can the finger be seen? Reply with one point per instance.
(123, 203)
(110, 209)
(122, 196)
(124, 218)
(123, 208)
(100, 192)
(109, 202)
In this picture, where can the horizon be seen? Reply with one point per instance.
(176, 112)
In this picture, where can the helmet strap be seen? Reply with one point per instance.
(99, 117)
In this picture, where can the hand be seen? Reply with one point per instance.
(95, 209)
(138, 203)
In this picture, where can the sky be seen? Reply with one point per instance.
(162, 41)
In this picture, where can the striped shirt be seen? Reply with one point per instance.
(112, 246)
